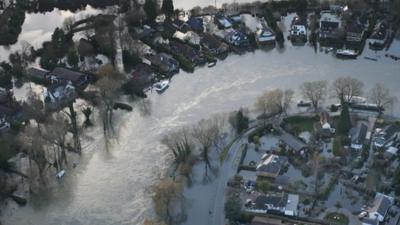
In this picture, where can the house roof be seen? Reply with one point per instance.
(210, 40)
(277, 201)
(195, 23)
(292, 203)
(184, 49)
(293, 142)
(381, 204)
(67, 74)
(272, 164)
(37, 72)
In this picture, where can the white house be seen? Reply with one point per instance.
(282, 203)
(380, 207)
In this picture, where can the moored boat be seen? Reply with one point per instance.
(161, 86)
(346, 53)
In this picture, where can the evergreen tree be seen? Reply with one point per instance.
(72, 58)
(150, 7)
(168, 7)
(344, 121)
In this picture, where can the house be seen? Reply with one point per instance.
(380, 207)
(388, 134)
(379, 35)
(293, 143)
(142, 76)
(354, 33)
(61, 75)
(236, 19)
(329, 27)
(196, 24)
(36, 74)
(213, 45)
(180, 25)
(58, 95)
(186, 51)
(270, 166)
(283, 203)
(391, 152)
(358, 135)
(222, 22)
(164, 63)
(237, 39)
(188, 37)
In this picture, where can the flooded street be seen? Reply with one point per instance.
(109, 187)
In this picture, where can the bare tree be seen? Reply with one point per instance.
(181, 146)
(32, 141)
(381, 96)
(75, 130)
(274, 102)
(68, 24)
(167, 198)
(55, 135)
(207, 133)
(314, 91)
(346, 88)
(109, 85)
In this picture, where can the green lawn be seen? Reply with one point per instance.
(301, 123)
(337, 218)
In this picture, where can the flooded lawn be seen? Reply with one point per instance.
(345, 198)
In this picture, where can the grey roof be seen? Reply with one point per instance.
(381, 204)
(275, 200)
(293, 142)
(67, 74)
(37, 72)
(272, 164)
(384, 205)
(390, 130)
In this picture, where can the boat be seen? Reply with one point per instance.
(60, 174)
(212, 64)
(161, 86)
(264, 34)
(122, 106)
(298, 33)
(346, 53)
(303, 104)
(370, 58)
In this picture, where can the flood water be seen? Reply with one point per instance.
(109, 187)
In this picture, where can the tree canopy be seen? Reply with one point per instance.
(168, 7)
